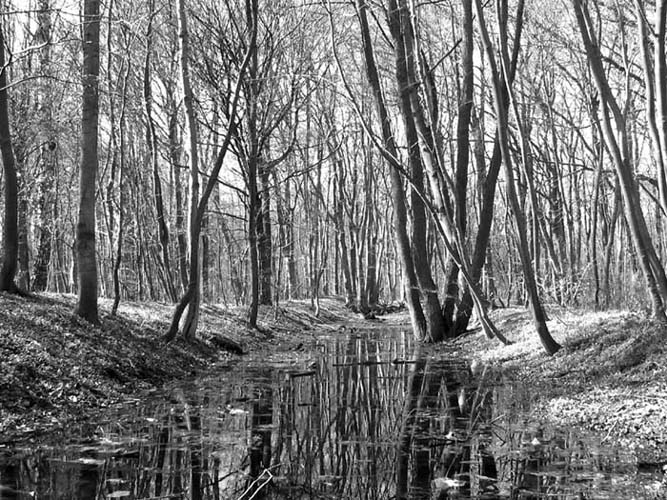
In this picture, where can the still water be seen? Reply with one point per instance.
(366, 415)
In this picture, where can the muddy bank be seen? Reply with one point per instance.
(56, 369)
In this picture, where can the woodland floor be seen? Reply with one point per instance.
(610, 376)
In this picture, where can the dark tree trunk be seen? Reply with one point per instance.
(85, 230)
(10, 236)
(419, 324)
(432, 310)
(264, 246)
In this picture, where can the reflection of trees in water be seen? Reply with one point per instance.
(443, 439)
(355, 426)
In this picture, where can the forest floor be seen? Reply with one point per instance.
(610, 377)
(56, 370)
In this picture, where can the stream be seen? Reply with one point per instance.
(360, 415)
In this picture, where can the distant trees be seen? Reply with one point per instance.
(337, 148)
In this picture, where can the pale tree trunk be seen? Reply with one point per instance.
(10, 237)
(48, 145)
(264, 244)
(175, 160)
(85, 229)
(192, 296)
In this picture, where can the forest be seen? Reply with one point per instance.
(316, 249)
(450, 156)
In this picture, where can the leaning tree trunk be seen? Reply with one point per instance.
(192, 297)
(539, 317)
(10, 236)
(85, 229)
(652, 268)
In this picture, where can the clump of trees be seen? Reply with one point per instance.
(453, 157)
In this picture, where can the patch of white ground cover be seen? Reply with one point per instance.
(636, 419)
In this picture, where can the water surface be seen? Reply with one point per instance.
(365, 415)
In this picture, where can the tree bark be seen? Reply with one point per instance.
(435, 324)
(10, 236)
(192, 297)
(85, 229)
(48, 146)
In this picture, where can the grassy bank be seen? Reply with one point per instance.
(56, 369)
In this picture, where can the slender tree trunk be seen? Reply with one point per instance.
(192, 297)
(48, 146)
(264, 246)
(122, 156)
(652, 268)
(175, 158)
(85, 229)
(462, 158)
(151, 140)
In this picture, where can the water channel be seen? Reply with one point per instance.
(361, 415)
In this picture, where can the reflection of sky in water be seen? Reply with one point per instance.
(356, 418)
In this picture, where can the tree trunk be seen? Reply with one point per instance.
(85, 229)
(192, 297)
(539, 318)
(48, 146)
(418, 321)
(151, 141)
(652, 268)
(435, 324)
(264, 246)
(10, 236)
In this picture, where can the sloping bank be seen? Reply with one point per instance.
(56, 370)
(610, 377)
